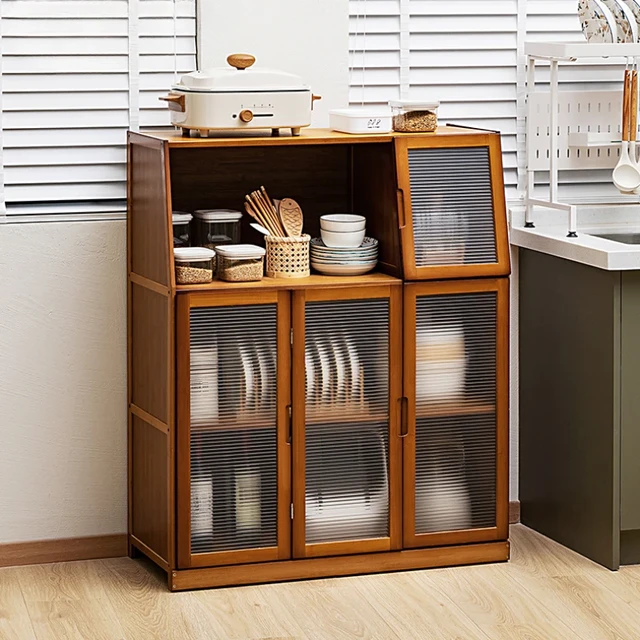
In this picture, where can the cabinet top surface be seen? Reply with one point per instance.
(307, 136)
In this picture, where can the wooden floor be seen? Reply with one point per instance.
(545, 592)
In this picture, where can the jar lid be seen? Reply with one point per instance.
(414, 104)
(192, 254)
(218, 215)
(180, 217)
(241, 251)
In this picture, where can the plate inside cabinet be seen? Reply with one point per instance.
(598, 23)
(634, 5)
(325, 366)
(310, 374)
(340, 357)
(248, 376)
(626, 25)
(354, 363)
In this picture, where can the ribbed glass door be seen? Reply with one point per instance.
(231, 432)
(453, 207)
(456, 383)
(345, 413)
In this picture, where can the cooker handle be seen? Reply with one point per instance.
(175, 101)
(313, 99)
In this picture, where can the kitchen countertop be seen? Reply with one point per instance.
(550, 235)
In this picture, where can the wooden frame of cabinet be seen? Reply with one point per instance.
(168, 171)
(498, 406)
(501, 266)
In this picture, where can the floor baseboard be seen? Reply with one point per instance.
(63, 550)
(94, 547)
(514, 512)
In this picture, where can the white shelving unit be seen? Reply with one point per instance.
(569, 130)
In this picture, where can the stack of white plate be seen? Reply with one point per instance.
(344, 261)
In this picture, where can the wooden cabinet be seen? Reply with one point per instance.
(456, 384)
(322, 426)
(452, 207)
(233, 394)
(346, 409)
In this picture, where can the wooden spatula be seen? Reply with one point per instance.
(291, 216)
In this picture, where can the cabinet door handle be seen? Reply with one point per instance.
(404, 417)
(290, 428)
(402, 222)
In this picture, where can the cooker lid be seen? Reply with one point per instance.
(239, 77)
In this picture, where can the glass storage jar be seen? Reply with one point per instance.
(194, 265)
(181, 224)
(409, 116)
(213, 227)
(240, 262)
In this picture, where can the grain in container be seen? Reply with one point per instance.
(194, 265)
(410, 116)
(240, 262)
(181, 225)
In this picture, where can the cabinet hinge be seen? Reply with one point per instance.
(292, 510)
(291, 336)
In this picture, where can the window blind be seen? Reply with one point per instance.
(76, 74)
(461, 52)
(557, 21)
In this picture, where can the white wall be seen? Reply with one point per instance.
(62, 380)
(306, 37)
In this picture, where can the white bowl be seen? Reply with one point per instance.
(342, 222)
(352, 239)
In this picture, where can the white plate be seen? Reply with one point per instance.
(347, 263)
(310, 371)
(354, 364)
(598, 23)
(343, 270)
(325, 366)
(248, 375)
(341, 371)
(262, 354)
(367, 243)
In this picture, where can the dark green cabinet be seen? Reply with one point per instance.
(579, 393)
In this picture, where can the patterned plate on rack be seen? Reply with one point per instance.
(625, 20)
(598, 23)
(634, 5)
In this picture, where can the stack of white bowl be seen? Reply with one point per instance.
(343, 250)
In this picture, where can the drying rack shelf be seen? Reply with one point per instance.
(576, 50)
(570, 130)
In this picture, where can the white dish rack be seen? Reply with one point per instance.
(570, 130)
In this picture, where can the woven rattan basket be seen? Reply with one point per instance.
(287, 257)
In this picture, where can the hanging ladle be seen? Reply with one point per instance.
(626, 175)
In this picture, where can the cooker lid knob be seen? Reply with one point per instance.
(240, 60)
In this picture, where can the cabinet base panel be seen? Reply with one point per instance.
(630, 547)
(307, 569)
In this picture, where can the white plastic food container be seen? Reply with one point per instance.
(361, 120)
(413, 116)
(194, 265)
(240, 262)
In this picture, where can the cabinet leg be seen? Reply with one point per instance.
(295, 131)
(133, 551)
(275, 132)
